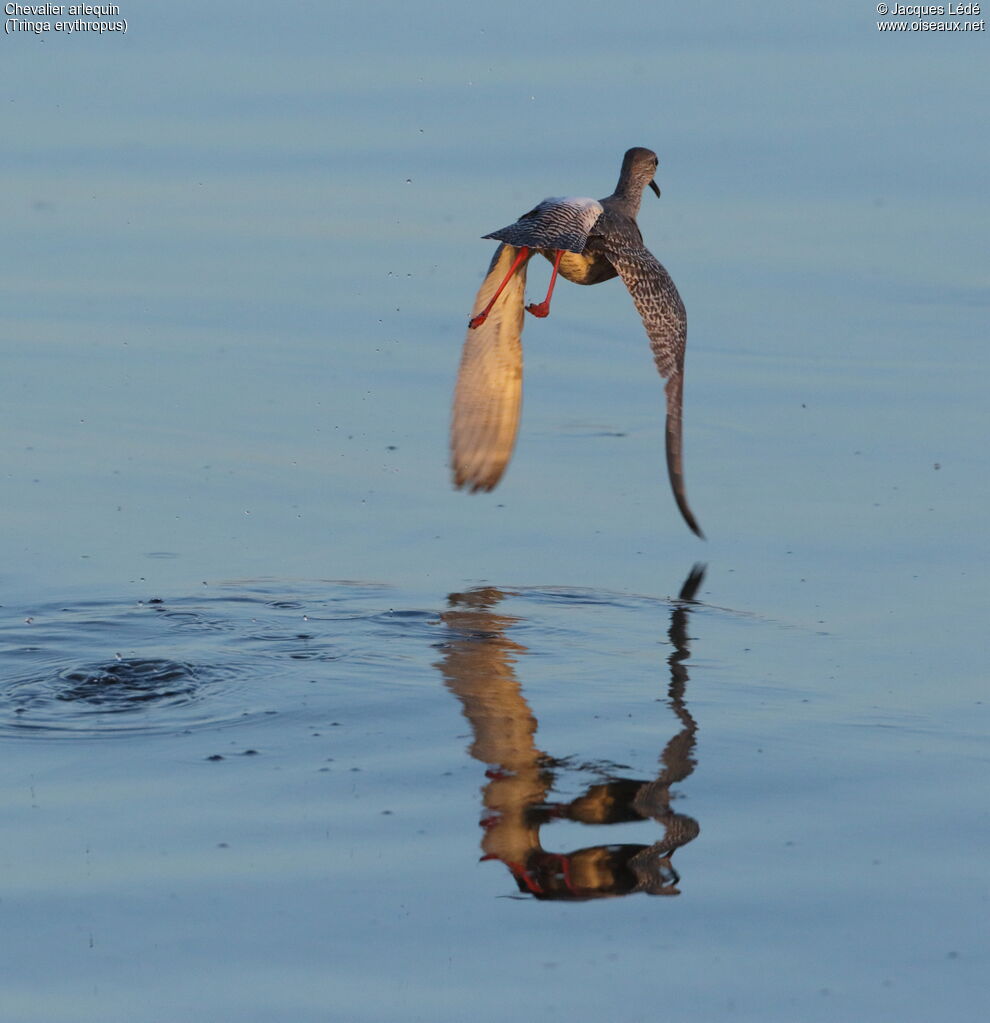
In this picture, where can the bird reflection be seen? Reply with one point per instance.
(479, 667)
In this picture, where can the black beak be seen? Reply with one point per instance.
(656, 188)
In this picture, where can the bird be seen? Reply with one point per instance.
(587, 241)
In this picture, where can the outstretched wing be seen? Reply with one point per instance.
(662, 311)
(488, 394)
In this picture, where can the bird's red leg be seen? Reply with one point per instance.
(477, 321)
(543, 309)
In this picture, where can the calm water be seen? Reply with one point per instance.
(291, 730)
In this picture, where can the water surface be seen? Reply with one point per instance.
(294, 731)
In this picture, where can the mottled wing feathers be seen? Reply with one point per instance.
(488, 395)
(657, 302)
(665, 320)
(557, 223)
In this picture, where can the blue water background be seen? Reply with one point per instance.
(241, 246)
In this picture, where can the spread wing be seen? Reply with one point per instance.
(488, 394)
(665, 320)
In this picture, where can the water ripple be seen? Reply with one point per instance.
(126, 695)
(98, 668)
(103, 668)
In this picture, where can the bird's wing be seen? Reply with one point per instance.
(665, 320)
(488, 394)
(560, 222)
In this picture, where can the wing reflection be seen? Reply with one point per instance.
(478, 667)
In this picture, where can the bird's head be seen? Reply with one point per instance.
(640, 165)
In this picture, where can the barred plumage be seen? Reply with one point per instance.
(556, 223)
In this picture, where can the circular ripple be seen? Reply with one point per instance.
(127, 695)
(126, 685)
(100, 668)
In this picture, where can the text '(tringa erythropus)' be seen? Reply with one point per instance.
(587, 241)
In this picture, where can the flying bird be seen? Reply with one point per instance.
(587, 241)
